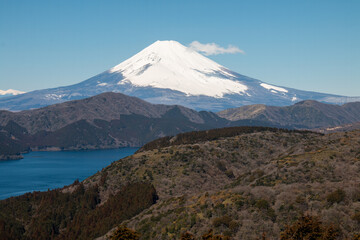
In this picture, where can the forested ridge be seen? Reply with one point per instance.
(248, 185)
(75, 212)
(234, 183)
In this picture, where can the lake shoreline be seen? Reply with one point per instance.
(11, 157)
(20, 156)
(43, 170)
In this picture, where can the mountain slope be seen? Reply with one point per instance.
(70, 213)
(10, 92)
(240, 182)
(170, 65)
(245, 185)
(341, 128)
(167, 72)
(106, 106)
(112, 120)
(305, 114)
(108, 120)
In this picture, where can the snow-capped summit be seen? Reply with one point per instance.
(170, 65)
(168, 72)
(11, 92)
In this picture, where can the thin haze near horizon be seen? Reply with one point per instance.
(308, 45)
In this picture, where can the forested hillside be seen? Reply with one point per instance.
(241, 183)
(246, 186)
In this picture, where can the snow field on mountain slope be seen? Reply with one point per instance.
(170, 65)
(10, 92)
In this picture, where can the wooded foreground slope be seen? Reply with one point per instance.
(240, 185)
(75, 212)
(246, 185)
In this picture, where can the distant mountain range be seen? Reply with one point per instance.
(342, 128)
(306, 114)
(108, 120)
(10, 92)
(167, 72)
(112, 120)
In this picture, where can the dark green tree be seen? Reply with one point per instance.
(187, 236)
(309, 228)
(124, 233)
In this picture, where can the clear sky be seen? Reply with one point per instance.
(305, 44)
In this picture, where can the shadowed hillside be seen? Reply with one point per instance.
(305, 114)
(75, 212)
(113, 120)
(108, 120)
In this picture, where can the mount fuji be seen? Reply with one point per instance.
(167, 72)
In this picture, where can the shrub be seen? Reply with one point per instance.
(210, 236)
(187, 236)
(224, 220)
(356, 217)
(221, 166)
(336, 196)
(356, 236)
(227, 222)
(229, 174)
(262, 204)
(124, 233)
(265, 207)
(309, 227)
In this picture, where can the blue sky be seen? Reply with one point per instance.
(308, 45)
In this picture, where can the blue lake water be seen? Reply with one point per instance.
(40, 171)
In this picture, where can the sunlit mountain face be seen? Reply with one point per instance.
(167, 72)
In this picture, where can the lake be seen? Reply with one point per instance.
(40, 171)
